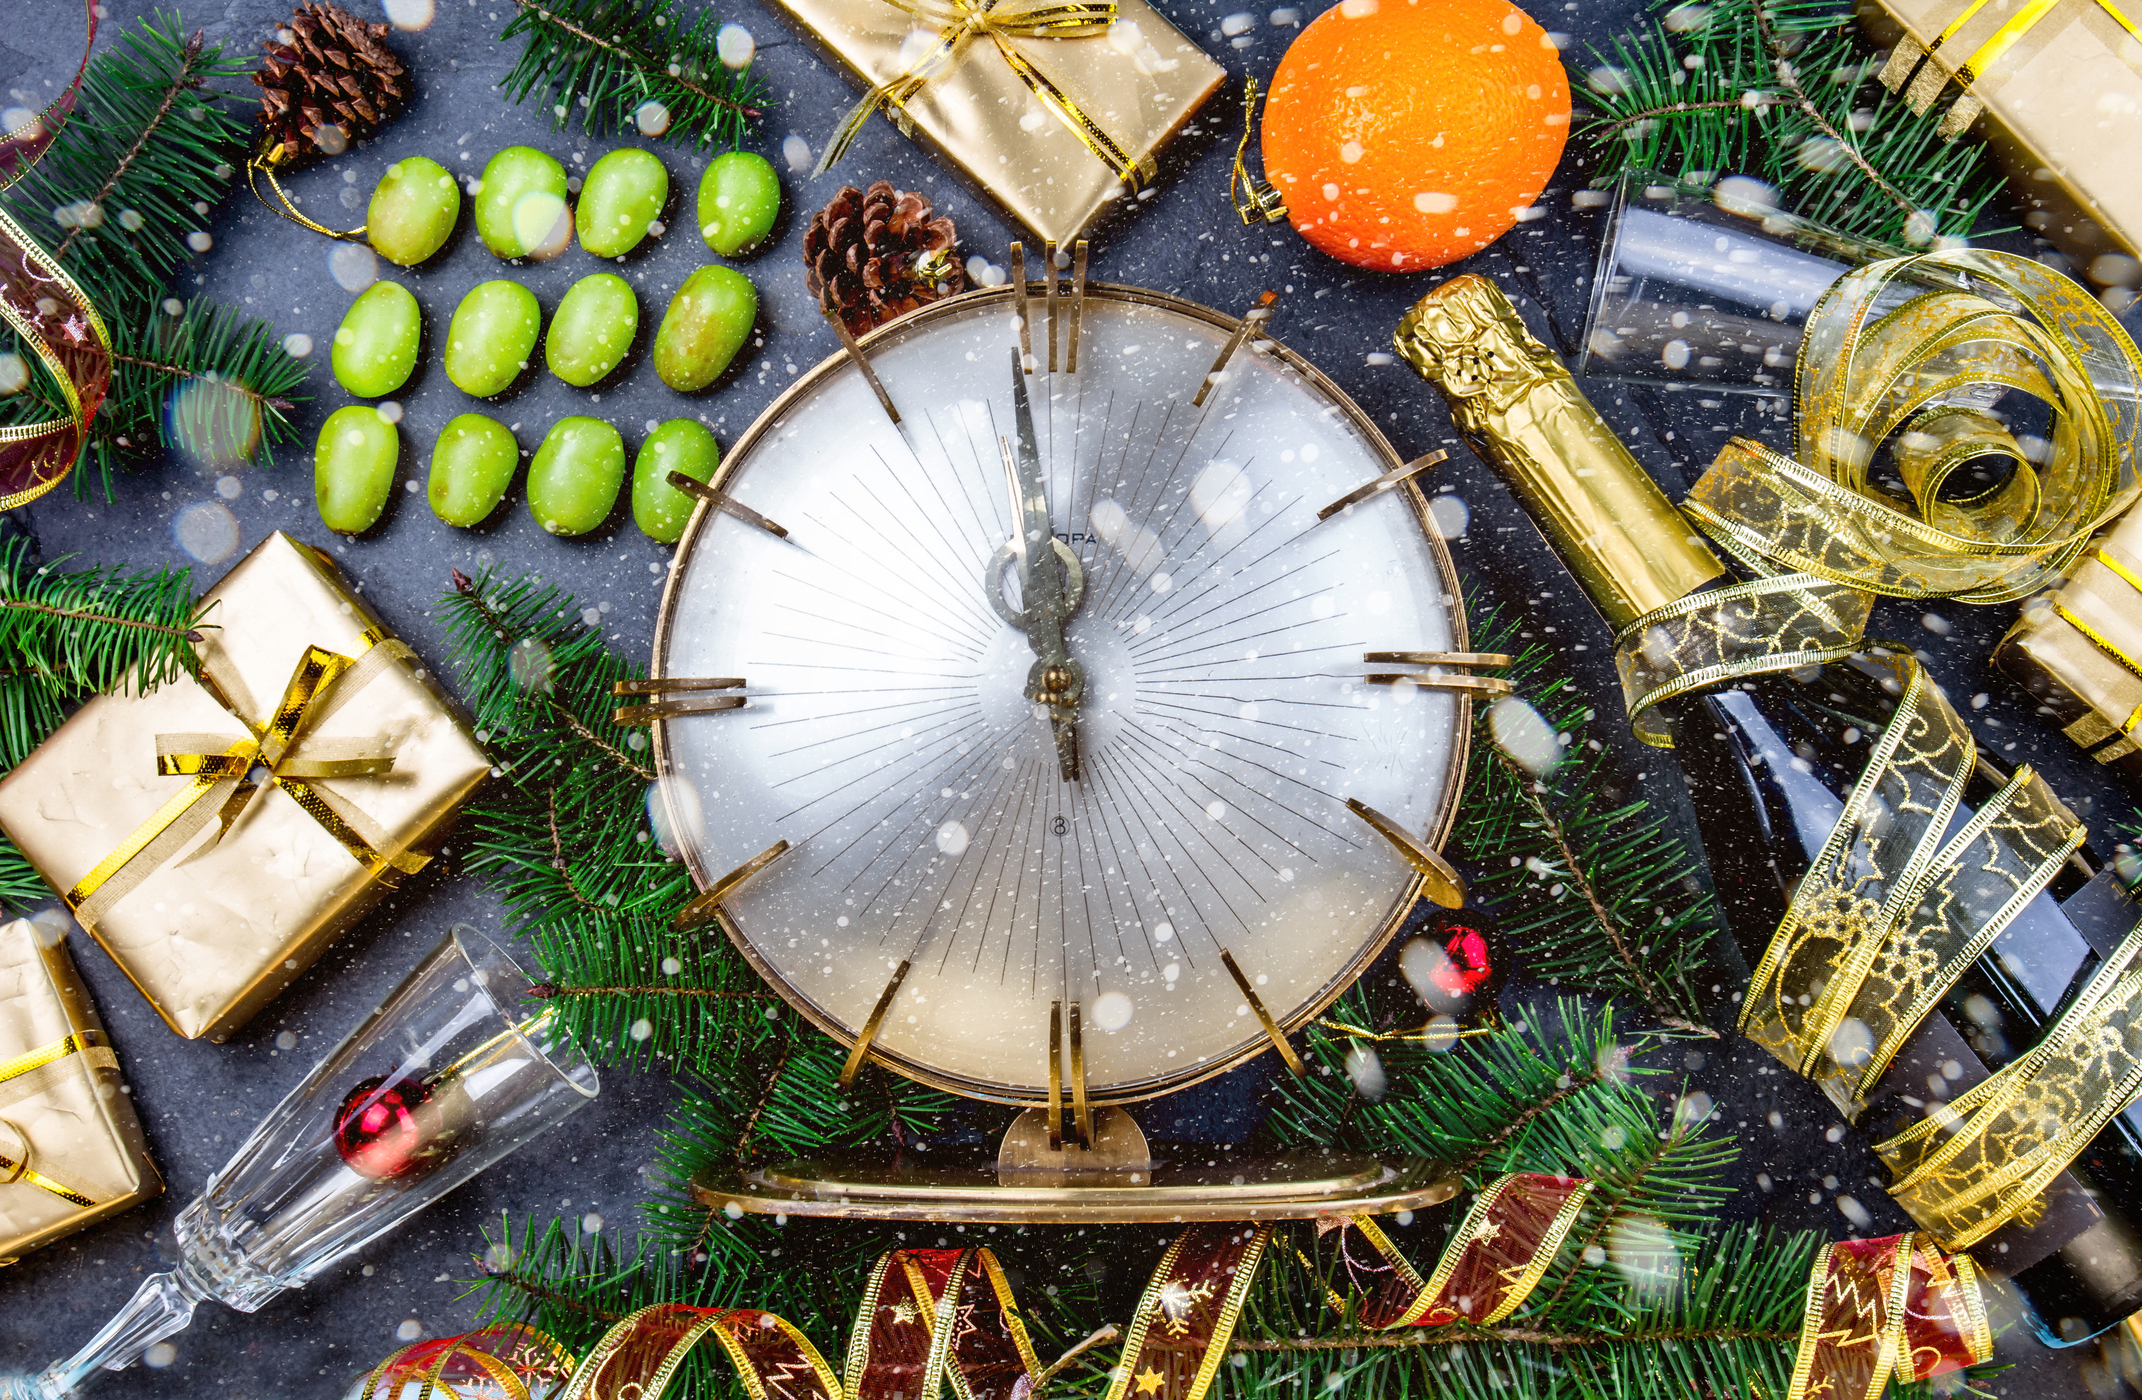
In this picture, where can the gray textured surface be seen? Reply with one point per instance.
(198, 1100)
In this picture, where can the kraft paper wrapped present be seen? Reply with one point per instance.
(216, 835)
(1054, 109)
(2078, 649)
(2055, 87)
(71, 1151)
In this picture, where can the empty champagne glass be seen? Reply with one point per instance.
(1709, 288)
(450, 1074)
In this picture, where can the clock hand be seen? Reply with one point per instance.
(1056, 680)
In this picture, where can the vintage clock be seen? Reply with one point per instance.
(1059, 698)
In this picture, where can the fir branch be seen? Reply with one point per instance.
(184, 634)
(185, 79)
(612, 57)
(1594, 888)
(1784, 91)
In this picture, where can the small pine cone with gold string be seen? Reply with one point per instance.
(874, 254)
(328, 82)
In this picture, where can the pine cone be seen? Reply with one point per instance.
(328, 81)
(874, 254)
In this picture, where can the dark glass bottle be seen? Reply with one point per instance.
(1770, 761)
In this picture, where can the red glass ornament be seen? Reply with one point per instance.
(396, 1131)
(1464, 967)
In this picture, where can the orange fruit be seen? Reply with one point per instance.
(1406, 134)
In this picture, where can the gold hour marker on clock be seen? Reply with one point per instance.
(1443, 671)
(1264, 1018)
(675, 685)
(1444, 885)
(859, 1053)
(701, 909)
(1252, 324)
(1397, 476)
(726, 503)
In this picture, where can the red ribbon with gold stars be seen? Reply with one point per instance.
(1893, 1306)
(931, 1317)
(55, 319)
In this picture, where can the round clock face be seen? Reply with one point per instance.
(1087, 773)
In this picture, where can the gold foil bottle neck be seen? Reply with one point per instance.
(1521, 412)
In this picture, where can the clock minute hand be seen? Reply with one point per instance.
(1056, 681)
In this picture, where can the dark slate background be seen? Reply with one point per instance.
(198, 1100)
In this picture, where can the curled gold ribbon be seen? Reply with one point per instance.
(225, 781)
(1914, 352)
(1004, 23)
(1892, 908)
(1984, 1158)
(31, 1073)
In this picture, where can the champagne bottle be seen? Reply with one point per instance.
(1771, 759)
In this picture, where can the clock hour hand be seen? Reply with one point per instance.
(1047, 598)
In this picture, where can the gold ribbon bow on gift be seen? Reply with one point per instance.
(229, 773)
(32, 1072)
(1004, 23)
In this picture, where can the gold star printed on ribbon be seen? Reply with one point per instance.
(903, 1313)
(1150, 1381)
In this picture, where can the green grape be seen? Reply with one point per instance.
(592, 329)
(573, 481)
(520, 210)
(471, 466)
(705, 326)
(680, 445)
(622, 195)
(493, 333)
(376, 344)
(739, 198)
(353, 468)
(413, 211)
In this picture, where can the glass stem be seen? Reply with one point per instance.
(163, 1305)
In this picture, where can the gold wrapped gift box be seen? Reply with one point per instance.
(71, 1151)
(2055, 87)
(322, 764)
(2078, 649)
(1042, 126)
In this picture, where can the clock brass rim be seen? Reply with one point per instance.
(1447, 576)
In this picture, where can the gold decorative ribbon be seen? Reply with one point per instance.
(55, 319)
(1874, 1308)
(32, 1072)
(1877, 1308)
(228, 774)
(1935, 76)
(1912, 352)
(1253, 196)
(1985, 1157)
(928, 1316)
(1004, 23)
(1892, 909)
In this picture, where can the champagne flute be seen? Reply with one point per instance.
(443, 1079)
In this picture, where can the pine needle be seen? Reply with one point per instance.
(632, 65)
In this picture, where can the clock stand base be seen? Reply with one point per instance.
(1119, 1180)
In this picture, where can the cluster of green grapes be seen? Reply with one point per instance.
(522, 211)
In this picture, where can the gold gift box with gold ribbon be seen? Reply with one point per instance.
(215, 835)
(71, 1151)
(2078, 649)
(2055, 87)
(1054, 109)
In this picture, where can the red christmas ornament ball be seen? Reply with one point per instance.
(393, 1131)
